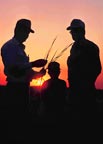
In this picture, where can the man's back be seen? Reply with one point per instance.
(83, 64)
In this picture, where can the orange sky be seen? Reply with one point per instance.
(50, 19)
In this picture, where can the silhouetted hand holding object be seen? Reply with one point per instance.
(39, 74)
(42, 71)
(39, 63)
(19, 71)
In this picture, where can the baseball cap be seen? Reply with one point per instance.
(76, 23)
(24, 23)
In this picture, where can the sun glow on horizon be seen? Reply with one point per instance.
(39, 81)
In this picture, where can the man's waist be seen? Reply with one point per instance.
(82, 87)
(16, 80)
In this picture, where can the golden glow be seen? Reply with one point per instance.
(37, 82)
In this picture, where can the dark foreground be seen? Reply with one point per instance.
(36, 128)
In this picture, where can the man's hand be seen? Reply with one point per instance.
(42, 72)
(39, 63)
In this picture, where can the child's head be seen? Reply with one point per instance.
(54, 69)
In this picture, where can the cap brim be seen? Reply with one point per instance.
(76, 27)
(68, 28)
(32, 31)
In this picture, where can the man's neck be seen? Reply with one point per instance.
(18, 39)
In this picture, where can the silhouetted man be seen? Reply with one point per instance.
(19, 73)
(54, 95)
(83, 69)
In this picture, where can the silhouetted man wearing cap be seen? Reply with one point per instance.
(83, 69)
(19, 73)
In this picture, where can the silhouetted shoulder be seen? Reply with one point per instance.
(91, 45)
(51, 82)
(46, 84)
(9, 42)
(7, 47)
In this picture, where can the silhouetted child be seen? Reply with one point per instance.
(54, 94)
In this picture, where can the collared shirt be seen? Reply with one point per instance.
(13, 53)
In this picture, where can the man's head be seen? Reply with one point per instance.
(22, 29)
(54, 69)
(76, 23)
(77, 29)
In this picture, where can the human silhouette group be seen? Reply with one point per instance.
(59, 104)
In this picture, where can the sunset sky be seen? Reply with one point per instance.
(50, 19)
